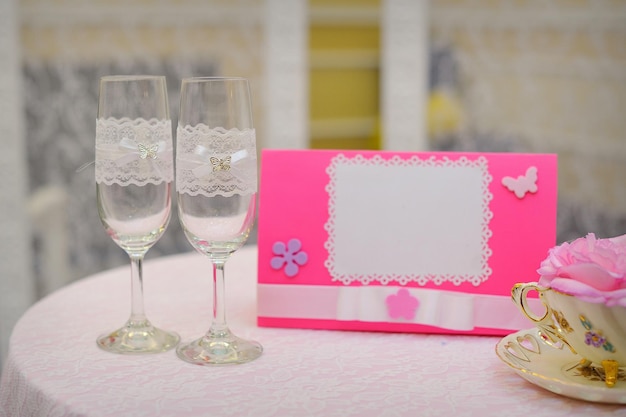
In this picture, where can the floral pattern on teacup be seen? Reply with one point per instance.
(595, 338)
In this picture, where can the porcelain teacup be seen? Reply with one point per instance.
(594, 331)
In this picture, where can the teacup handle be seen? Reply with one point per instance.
(545, 324)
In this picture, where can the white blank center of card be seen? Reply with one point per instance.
(409, 219)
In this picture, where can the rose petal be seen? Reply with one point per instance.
(590, 274)
(578, 289)
(546, 281)
(617, 297)
(620, 241)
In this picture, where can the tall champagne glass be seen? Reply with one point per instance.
(134, 175)
(216, 182)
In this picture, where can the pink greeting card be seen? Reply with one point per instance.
(406, 242)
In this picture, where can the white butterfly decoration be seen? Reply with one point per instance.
(523, 184)
(148, 151)
(220, 164)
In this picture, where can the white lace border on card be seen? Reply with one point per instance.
(419, 278)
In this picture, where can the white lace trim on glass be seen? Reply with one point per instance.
(136, 152)
(373, 238)
(215, 161)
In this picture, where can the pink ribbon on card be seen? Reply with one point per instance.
(455, 311)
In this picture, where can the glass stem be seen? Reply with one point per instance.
(137, 315)
(219, 328)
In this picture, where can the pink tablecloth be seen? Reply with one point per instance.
(55, 369)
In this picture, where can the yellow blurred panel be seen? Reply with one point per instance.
(344, 37)
(343, 93)
(341, 143)
(344, 44)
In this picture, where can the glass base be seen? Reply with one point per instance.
(227, 349)
(137, 338)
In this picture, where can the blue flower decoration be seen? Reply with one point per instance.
(289, 256)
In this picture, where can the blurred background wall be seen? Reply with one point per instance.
(497, 75)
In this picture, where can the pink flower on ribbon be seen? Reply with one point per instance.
(289, 256)
(402, 305)
(591, 269)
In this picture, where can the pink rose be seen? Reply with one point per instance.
(589, 268)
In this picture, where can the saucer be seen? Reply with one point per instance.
(557, 369)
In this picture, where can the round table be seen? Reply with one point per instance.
(55, 369)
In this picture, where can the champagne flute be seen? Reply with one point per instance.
(216, 184)
(134, 175)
